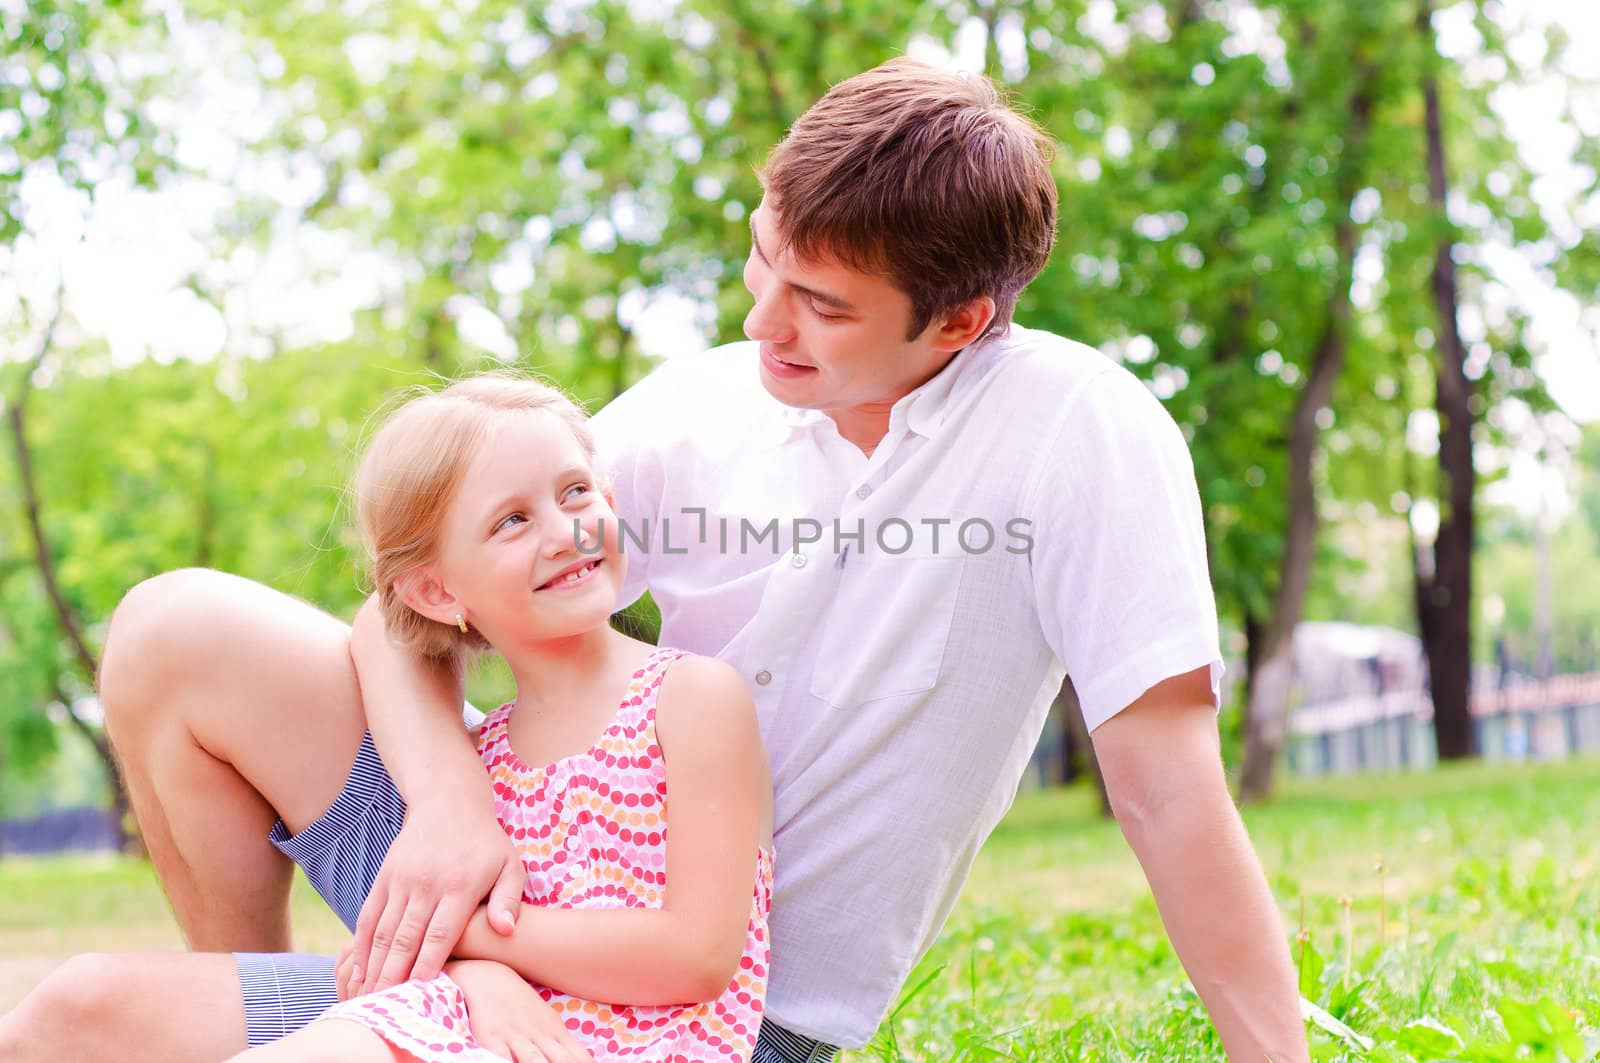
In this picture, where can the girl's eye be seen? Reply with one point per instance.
(578, 487)
(506, 523)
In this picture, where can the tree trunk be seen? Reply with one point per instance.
(1078, 733)
(1271, 669)
(1068, 765)
(1444, 593)
(66, 616)
(128, 840)
(1266, 724)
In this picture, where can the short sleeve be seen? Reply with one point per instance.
(1118, 563)
(627, 439)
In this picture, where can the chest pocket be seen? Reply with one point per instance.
(887, 631)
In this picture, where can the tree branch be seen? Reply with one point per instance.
(16, 414)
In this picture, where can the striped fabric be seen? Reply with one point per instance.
(777, 1045)
(282, 992)
(340, 854)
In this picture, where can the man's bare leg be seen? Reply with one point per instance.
(327, 1042)
(133, 1008)
(230, 705)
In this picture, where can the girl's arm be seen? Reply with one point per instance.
(719, 795)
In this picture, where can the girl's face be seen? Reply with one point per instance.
(511, 537)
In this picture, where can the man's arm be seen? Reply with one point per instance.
(1163, 771)
(452, 852)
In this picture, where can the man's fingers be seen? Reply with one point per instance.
(358, 978)
(367, 923)
(506, 898)
(406, 941)
(383, 942)
(442, 933)
(341, 973)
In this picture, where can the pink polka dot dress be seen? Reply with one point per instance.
(592, 833)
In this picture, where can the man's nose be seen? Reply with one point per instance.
(768, 322)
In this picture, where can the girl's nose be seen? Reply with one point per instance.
(561, 534)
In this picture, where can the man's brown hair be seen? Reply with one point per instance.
(926, 177)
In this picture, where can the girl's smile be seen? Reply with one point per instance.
(572, 576)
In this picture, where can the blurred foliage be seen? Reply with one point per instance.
(563, 167)
(72, 89)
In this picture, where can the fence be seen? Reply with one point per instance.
(1526, 720)
(63, 830)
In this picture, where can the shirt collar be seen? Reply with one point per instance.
(924, 407)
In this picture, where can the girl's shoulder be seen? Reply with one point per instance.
(698, 694)
(682, 669)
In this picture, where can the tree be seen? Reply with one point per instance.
(1444, 582)
(74, 118)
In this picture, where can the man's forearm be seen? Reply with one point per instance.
(1222, 920)
(413, 709)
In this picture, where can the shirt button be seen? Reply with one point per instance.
(799, 561)
(763, 677)
(863, 491)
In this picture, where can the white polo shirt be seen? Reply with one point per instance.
(902, 659)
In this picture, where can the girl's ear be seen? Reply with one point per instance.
(421, 590)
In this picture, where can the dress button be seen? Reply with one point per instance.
(763, 677)
(863, 491)
(799, 561)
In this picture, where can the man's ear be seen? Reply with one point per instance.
(421, 590)
(963, 326)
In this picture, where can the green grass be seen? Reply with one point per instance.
(1489, 896)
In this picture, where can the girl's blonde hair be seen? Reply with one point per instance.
(410, 473)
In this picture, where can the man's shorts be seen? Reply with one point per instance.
(340, 854)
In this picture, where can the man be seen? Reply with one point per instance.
(898, 515)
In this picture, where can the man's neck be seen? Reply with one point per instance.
(863, 426)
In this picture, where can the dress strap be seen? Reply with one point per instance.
(640, 707)
(658, 661)
(494, 729)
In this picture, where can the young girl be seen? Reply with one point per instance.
(487, 528)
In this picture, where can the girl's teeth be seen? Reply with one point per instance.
(574, 576)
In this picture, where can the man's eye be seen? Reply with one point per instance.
(824, 315)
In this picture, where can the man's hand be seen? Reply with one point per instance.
(435, 876)
(510, 1018)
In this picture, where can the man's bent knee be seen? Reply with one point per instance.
(151, 635)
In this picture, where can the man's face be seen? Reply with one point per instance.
(832, 338)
